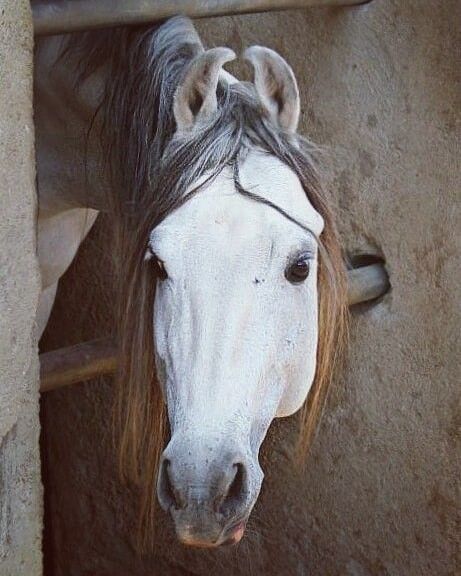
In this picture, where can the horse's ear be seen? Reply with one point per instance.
(276, 86)
(195, 100)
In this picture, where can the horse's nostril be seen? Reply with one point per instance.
(236, 487)
(167, 494)
(235, 492)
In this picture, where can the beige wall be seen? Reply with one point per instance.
(20, 486)
(379, 91)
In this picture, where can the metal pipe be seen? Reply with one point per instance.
(62, 16)
(90, 359)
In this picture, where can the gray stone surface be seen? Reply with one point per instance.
(380, 496)
(20, 486)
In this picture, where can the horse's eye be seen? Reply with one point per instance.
(158, 264)
(297, 271)
(160, 268)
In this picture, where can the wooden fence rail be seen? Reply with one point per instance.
(64, 16)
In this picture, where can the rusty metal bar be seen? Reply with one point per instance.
(90, 359)
(63, 16)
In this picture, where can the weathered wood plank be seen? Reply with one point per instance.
(77, 363)
(64, 16)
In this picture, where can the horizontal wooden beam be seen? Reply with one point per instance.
(77, 363)
(63, 16)
(366, 283)
(90, 359)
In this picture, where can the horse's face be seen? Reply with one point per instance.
(236, 336)
(235, 316)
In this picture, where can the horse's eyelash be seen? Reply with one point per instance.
(305, 254)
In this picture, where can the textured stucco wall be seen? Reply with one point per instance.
(380, 91)
(20, 486)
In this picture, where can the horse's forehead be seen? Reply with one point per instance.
(219, 208)
(270, 178)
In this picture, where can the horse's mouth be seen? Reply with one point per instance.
(234, 533)
(231, 536)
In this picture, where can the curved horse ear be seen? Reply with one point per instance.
(276, 86)
(195, 99)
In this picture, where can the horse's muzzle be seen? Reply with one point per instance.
(208, 497)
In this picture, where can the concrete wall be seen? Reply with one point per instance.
(20, 486)
(379, 497)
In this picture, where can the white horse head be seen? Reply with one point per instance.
(232, 249)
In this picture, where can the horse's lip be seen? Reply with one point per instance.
(234, 532)
(232, 535)
(198, 544)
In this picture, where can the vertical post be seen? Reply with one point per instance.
(20, 486)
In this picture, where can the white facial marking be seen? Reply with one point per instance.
(235, 340)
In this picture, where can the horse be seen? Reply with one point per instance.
(232, 294)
